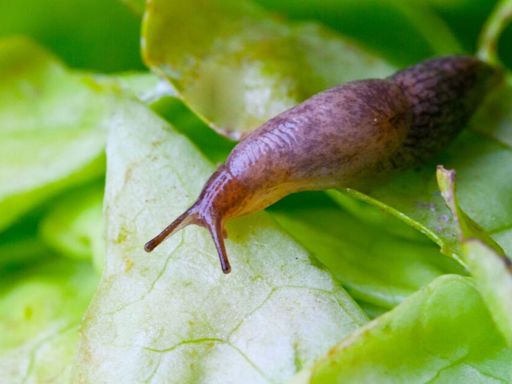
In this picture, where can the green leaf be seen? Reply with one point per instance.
(442, 334)
(94, 35)
(236, 66)
(137, 6)
(40, 312)
(20, 246)
(74, 225)
(494, 279)
(495, 119)
(385, 27)
(485, 259)
(173, 315)
(52, 128)
(214, 146)
(373, 265)
(466, 18)
(145, 86)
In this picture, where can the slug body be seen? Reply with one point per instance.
(346, 136)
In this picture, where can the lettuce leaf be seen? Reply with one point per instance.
(40, 311)
(52, 128)
(172, 315)
(93, 35)
(442, 334)
(236, 66)
(485, 259)
(375, 266)
(385, 27)
(74, 226)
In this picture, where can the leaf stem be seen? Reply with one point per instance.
(494, 26)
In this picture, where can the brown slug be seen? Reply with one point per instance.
(346, 136)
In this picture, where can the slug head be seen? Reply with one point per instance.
(222, 197)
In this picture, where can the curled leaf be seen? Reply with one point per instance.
(485, 259)
(236, 66)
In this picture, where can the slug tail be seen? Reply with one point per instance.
(186, 218)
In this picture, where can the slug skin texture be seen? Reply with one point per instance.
(347, 136)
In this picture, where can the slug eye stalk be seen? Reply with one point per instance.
(219, 194)
(192, 216)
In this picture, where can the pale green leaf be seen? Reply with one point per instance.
(74, 225)
(40, 312)
(52, 128)
(236, 66)
(172, 315)
(494, 280)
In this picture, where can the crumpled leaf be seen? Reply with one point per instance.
(374, 265)
(40, 311)
(485, 259)
(172, 315)
(236, 66)
(74, 226)
(442, 334)
(52, 132)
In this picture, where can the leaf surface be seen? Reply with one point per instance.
(442, 334)
(172, 315)
(40, 312)
(375, 266)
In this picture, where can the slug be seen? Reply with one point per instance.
(346, 136)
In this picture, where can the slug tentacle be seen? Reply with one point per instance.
(186, 218)
(348, 136)
(219, 199)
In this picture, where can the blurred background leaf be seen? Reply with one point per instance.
(97, 35)
(41, 308)
(52, 127)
